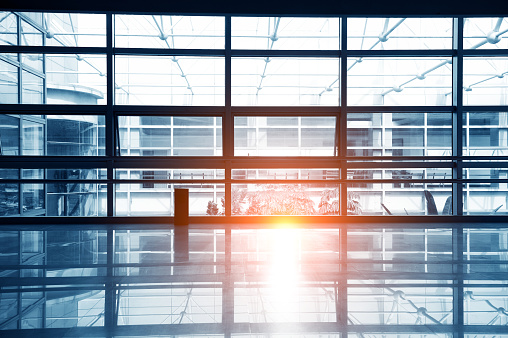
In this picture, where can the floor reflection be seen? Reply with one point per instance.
(251, 282)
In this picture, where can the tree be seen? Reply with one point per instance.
(330, 203)
(212, 209)
(285, 199)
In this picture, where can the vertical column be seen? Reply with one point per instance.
(341, 301)
(458, 111)
(341, 126)
(458, 232)
(109, 301)
(227, 121)
(228, 152)
(110, 119)
(228, 294)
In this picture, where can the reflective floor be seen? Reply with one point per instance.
(363, 281)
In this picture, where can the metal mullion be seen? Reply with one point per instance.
(256, 222)
(285, 111)
(457, 115)
(457, 192)
(53, 50)
(20, 262)
(282, 181)
(485, 108)
(19, 167)
(30, 21)
(501, 163)
(110, 118)
(33, 71)
(50, 181)
(246, 53)
(400, 109)
(167, 52)
(366, 53)
(10, 61)
(396, 165)
(228, 297)
(132, 110)
(30, 109)
(228, 127)
(341, 130)
(110, 294)
(485, 52)
(203, 182)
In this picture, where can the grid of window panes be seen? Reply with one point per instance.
(108, 114)
(361, 90)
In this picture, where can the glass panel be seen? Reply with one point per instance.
(392, 305)
(9, 306)
(399, 33)
(283, 136)
(399, 81)
(33, 319)
(78, 135)
(33, 194)
(33, 90)
(8, 82)
(56, 199)
(35, 17)
(396, 199)
(169, 31)
(285, 33)
(76, 79)
(35, 61)
(486, 198)
(79, 308)
(483, 33)
(75, 29)
(418, 250)
(33, 138)
(169, 80)
(76, 199)
(170, 136)
(160, 252)
(9, 193)
(170, 306)
(485, 81)
(285, 199)
(76, 174)
(169, 174)
(406, 174)
(146, 199)
(485, 134)
(30, 36)
(279, 81)
(9, 135)
(485, 306)
(284, 301)
(75, 249)
(285, 174)
(399, 134)
(75, 135)
(486, 250)
(8, 29)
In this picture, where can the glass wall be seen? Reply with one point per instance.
(271, 88)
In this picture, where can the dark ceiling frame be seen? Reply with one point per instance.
(266, 7)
